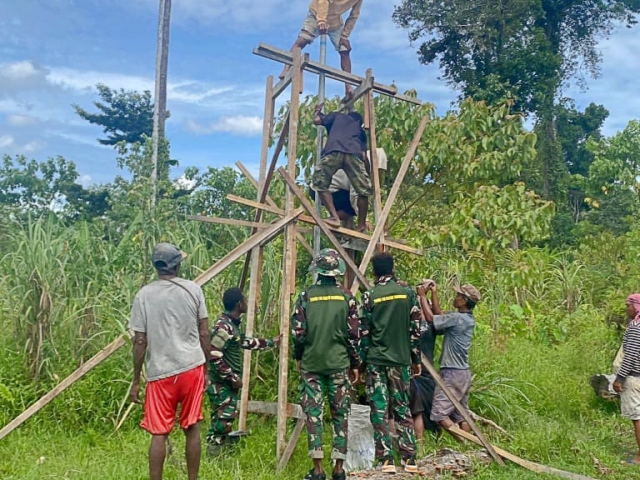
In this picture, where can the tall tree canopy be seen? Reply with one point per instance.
(125, 115)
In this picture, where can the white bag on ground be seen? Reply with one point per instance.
(360, 447)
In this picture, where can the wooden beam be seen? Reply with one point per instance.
(463, 411)
(227, 221)
(323, 226)
(406, 163)
(268, 199)
(293, 410)
(307, 219)
(534, 467)
(291, 445)
(264, 186)
(254, 257)
(373, 156)
(93, 362)
(289, 259)
(283, 56)
(253, 241)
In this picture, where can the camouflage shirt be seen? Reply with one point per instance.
(390, 324)
(325, 328)
(227, 343)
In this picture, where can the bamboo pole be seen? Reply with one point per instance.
(288, 267)
(364, 263)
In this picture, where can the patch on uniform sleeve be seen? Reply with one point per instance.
(218, 341)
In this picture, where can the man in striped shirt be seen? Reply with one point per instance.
(627, 381)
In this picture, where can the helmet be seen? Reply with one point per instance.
(328, 263)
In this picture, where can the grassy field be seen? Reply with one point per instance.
(537, 393)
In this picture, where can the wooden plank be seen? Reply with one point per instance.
(307, 219)
(288, 262)
(286, 57)
(291, 446)
(90, 364)
(257, 239)
(264, 185)
(254, 258)
(377, 232)
(463, 411)
(269, 201)
(534, 467)
(227, 221)
(375, 165)
(323, 226)
(293, 410)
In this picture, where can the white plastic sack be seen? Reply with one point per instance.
(361, 449)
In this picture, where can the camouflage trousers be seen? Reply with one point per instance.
(224, 410)
(314, 387)
(388, 392)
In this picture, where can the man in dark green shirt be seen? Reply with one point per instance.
(325, 335)
(390, 347)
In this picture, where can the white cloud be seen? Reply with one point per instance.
(19, 120)
(85, 180)
(21, 76)
(6, 141)
(237, 124)
(32, 147)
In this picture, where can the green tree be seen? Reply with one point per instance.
(125, 115)
(524, 49)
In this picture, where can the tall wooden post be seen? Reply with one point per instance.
(288, 267)
(256, 254)
(160, 100)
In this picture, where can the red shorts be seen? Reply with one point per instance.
(163, 396)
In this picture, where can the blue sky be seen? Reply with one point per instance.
(53, 52)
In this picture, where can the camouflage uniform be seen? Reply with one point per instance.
(388, 371)
(325, 335)
(225, 368)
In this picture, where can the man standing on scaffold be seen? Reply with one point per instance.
(325, 17)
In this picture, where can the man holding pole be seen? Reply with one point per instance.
(171, 336)
(325, 18)
(457, 328)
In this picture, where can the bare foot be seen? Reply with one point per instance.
(364, 228)
(333, 221)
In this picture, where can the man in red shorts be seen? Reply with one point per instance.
(171, 336)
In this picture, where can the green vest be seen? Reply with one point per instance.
(390, 334)
(325, 348)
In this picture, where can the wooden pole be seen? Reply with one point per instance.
(373, 155)
(534, 467)
(377, 232)
(291, 445)
(288, 263)
(255, 256)
(323, 226)
(66, 383)
(160, 100)
(463, 411)
(228, 221)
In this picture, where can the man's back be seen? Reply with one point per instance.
(168, 312)
(345, 134)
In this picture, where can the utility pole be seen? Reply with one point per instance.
(160, 100)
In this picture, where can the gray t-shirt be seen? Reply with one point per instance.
(169, 316)
(458, 330)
